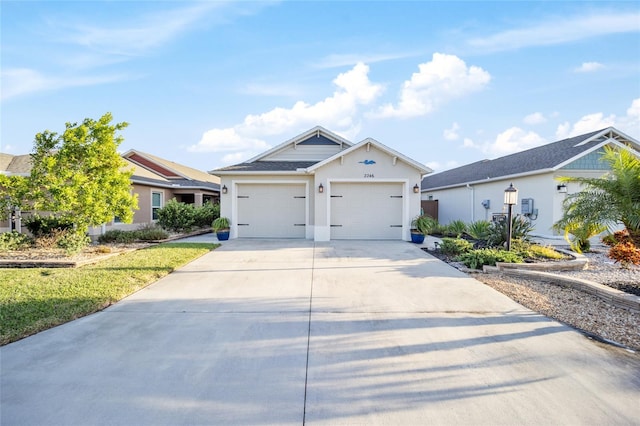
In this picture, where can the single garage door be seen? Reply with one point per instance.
(271, 210)
(367, 211)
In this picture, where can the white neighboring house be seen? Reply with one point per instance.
(476, 191)
(320, 186)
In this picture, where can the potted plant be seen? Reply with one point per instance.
(221, 227)
(420, 226)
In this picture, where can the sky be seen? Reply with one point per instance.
(213, 83)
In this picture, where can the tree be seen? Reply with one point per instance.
(608, 200)
(13, 192)
(80, 176)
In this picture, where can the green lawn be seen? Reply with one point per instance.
(32, 300)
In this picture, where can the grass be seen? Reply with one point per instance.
(33, 300)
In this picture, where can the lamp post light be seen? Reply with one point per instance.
(510, 199)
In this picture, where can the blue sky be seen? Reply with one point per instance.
(213, 83)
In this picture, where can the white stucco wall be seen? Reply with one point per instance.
(465, 203)
(351, 168)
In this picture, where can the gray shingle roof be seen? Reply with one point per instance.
(176, 183)
(540, 158)
(267, 166)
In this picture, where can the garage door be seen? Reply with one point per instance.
(368, 211)
(271, 211)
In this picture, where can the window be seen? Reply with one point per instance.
(156, 204)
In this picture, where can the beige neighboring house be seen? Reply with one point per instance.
(476, 191)
(155, 180)
(323, 187)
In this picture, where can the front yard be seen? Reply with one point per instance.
(32, 300)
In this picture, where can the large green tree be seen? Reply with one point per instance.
(80, 176)
(608, 200)
(13, 192)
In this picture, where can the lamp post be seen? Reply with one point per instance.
(510, 199)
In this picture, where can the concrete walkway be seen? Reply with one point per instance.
(292, 332)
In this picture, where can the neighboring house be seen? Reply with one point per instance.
(154, 179)
(320, 186)
(476, 191)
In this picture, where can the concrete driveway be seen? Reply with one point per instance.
(294, 332)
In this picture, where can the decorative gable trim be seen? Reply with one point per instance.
(367, 143)
(317, 131)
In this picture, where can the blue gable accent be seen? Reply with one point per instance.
(591, 161)
(318, 140)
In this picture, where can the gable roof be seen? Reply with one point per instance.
(393, 153)
(15, 164)
(542, 159)
(166, 168)
(261, 163)
(319, 131)
(188, 179)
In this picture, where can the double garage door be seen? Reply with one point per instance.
(368, 211)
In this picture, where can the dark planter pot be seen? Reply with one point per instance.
(417, 238)
(222, 235)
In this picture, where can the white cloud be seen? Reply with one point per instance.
(452, 133)
(469, 143)
(337, 112)
(136, 35)
(586, 124)
(535, 118)
(336, 60)
(513, 140)
(546, 32)
(23, 81)
(589, 67)
(446, 77)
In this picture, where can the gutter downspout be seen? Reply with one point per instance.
(473, 201)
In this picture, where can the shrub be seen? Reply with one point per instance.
(73, 241)
(520, 229)
(479, 230)
(475, 259)
(220, 224)
(206, 214)
(456, 228)
(176, 216)
(151, 233)
(46, 225)
(625, 253)
(424, 224)
(49, 240)
(118, 236)
(14, 241)
(621, 236)
(529, 250)
(455, 246)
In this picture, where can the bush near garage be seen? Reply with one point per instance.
(180, 217)
(455, 246)
(475, 259)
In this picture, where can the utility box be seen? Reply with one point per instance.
(527, 206)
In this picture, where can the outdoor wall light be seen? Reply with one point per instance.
(510, 198)
(224, 189)
(320, 188)
(416, 189)
(562, 188)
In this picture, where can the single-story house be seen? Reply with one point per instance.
(320, 186)
(476, 191)
(154, 179)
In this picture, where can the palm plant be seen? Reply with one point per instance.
(607, 200)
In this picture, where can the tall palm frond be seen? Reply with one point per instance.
(611, 199)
